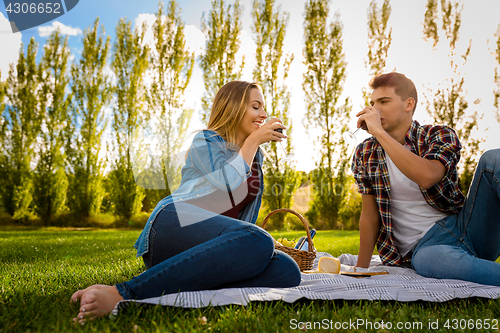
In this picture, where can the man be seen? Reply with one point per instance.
(412, 207)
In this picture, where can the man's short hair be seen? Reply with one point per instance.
(403, 86)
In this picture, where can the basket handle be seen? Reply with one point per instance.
(302, 219)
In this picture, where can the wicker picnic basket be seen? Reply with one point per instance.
(304, 259)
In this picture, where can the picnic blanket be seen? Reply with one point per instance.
(401, 284)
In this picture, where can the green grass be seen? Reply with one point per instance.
(41, 268)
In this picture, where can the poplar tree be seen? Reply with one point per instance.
(379, 40)
(3, 131)
(130, 61)
(51, 182)
(222, 32)
(496, 91)
(3, 123)
(449, 105)
(271, 72)
(91, 96)
(22, 123)
(171, 66)
(326, 115)
(379, 36)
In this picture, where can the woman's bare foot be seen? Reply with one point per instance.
(78, 295)
(97, 302)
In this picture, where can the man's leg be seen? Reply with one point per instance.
(479, 220)
(464, 246)
(453, 262)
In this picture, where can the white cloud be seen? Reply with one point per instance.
(247, 50)
(195, 39)
(148, 20)
(10, 43)
(46, 30)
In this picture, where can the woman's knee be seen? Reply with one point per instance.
(263, 239)
(289, 268)
(254, 241)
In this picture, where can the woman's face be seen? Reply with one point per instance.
(254, 115)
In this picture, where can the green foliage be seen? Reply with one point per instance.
(451, 16)
(379, 36)
(50, 178)
(218, 63)
(21, 122)
(330, 199)
(323, 85)
(449, 105)
(279, 194)
(350, 211)
(269, 27)
(130, 62)
(171, 66)
(379, 41)
(430, 23)
(91, 95)
(496, 91)
(3, 131)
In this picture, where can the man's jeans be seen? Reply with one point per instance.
(220, 252)
(464, 246)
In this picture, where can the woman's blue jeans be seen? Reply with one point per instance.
(465, 246)
(220, 252)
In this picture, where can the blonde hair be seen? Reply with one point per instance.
(228, 108)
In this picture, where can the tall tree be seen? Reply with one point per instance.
(449, 105)
(269, 27)
(3, 131)
(379, 36)
(50, 178)
(22, 124)
(222, 32)
(323, 86)
(496, 91)
(130, 61)
(171, 66)
(379, 40)
(91, 96)
(3, 123)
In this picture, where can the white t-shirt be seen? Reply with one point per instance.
(412, 216)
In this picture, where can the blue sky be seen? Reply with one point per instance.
(84, 14)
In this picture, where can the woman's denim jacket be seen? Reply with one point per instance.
(210, 165)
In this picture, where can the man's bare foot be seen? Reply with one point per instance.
(97, 302)
(77, 295)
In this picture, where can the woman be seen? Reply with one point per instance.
(204, 235)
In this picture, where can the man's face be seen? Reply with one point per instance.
(393, 110)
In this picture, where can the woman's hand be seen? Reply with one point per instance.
(267, 132)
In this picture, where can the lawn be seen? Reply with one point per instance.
(40, 269)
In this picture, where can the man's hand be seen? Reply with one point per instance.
(369, 119)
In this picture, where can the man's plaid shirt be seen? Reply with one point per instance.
(372, 177)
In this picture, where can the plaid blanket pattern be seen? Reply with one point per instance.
(402, 284)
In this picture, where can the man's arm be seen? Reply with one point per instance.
(369, 226)
(426, 173)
